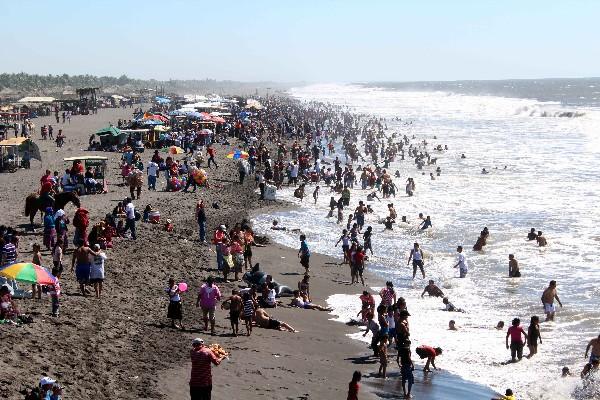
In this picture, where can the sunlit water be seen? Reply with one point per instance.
(551, 183)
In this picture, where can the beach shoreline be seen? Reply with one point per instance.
(121, 345)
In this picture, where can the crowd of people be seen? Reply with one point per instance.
(286, 144)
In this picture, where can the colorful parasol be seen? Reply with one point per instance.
(237, 154)
(173, 150)
(28, 272)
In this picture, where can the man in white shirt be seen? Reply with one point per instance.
(294, 173)
(152, 174)
(462, 262)
(130, 214)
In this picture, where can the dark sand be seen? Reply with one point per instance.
(121, 346)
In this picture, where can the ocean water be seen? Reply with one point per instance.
(551, 150)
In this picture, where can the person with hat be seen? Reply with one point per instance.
(201, 375)
(49, 390)
(219, 237)
(430, 353)
(208, 296)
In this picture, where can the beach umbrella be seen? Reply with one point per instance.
(28, 272)
(156, 117)
(194, 115)
(173, 150)
(151, 122)
(237, 154)
(162, 128)
(218, 120)
(109, 130)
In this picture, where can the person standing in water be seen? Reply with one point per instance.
(516, 344)
(416, 255)
(594, 344)
(541, 240)
(316, 194)
(513, 267)
(548, 300)
(426, 224)
(461, 263)
(367, 240)
(533, 334)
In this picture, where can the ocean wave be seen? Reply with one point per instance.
(535, 111)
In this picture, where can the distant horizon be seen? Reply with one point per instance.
(305, 82)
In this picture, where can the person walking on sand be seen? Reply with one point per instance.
(201, 219)
(548, 300)
(97, 270)
(235, 310)
(461, 263)
(211, 152)
(516, 344)
(80, 263)
(416, 255)
(174, 312)
(201, 375)
(354, 386)
(304, 254)
(533, 334)
(130, 217)
(208, 296)
(594, 344)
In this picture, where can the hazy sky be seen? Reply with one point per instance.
(317, 41)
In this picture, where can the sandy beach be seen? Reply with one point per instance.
(123, 340)
(121, 345)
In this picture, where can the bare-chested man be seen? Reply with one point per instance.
(432, 290)
(235, 309)
(594, 344)
(548, 301)
(265, 321)
(513, 267)
(81, 260)
(541, 240)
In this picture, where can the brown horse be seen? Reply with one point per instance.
(34, 203)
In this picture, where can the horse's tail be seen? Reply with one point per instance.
(30, 204)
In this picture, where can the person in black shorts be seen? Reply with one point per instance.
(265, 321)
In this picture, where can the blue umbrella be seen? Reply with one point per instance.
(195, 115)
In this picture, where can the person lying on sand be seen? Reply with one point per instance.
(301, 301)
(265, 321)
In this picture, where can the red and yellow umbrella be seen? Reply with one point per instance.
(28, 272)
(173, 150)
